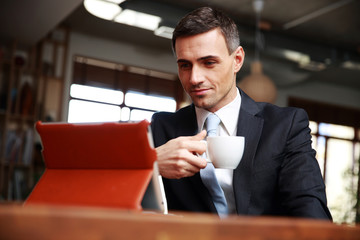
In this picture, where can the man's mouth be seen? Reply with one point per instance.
(199, 92)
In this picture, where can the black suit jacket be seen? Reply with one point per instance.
(278, 174)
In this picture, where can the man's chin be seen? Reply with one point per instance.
(202, 104)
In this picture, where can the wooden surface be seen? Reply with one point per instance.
(42, 222)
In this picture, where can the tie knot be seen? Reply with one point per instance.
(212, 122)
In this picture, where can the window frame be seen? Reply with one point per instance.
(117, 76)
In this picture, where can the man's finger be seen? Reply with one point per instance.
(200, 136)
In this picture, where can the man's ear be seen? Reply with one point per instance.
(239, 56)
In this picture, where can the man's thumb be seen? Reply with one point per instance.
(200, 136)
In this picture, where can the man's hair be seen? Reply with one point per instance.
(205, 19)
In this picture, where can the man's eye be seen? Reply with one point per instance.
(184, 65)
(209, 63)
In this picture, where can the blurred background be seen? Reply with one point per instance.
(111, 60)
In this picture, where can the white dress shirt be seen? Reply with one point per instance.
(228, 115)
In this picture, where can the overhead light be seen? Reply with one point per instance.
(305, 61)
(105, 9)
(116, 1)
(313, 66)
(111, 10)
(298, 57)
(257, 85)
(164, 31)
(351, 65)
(138, 19)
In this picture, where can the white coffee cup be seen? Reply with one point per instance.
(225, 151)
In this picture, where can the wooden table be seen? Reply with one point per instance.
(49, 222)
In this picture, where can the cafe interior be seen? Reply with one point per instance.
(91, 61)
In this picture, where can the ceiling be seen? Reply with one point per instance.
(327, 31)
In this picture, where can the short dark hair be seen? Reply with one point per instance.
(204, 19)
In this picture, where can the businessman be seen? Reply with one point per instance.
(278, 174)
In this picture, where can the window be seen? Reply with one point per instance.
(338, 157)
(135, 99)
(335, 134)
(85, 111)
(93, 104)
(106, 91)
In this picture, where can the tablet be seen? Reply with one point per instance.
(99, 164)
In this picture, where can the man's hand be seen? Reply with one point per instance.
(177, 158)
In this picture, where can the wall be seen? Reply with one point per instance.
(129, 54)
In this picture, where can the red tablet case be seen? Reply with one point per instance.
(104, 165)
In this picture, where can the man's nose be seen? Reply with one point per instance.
(196, 75)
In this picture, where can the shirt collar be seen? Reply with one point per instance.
(226, 115)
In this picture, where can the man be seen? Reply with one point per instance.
(278, 174)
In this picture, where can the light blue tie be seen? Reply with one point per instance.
(208, 174)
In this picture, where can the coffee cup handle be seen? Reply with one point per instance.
(205, 154)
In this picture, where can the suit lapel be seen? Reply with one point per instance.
(250, 126)
(186, 124)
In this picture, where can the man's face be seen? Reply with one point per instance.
(206, 70)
